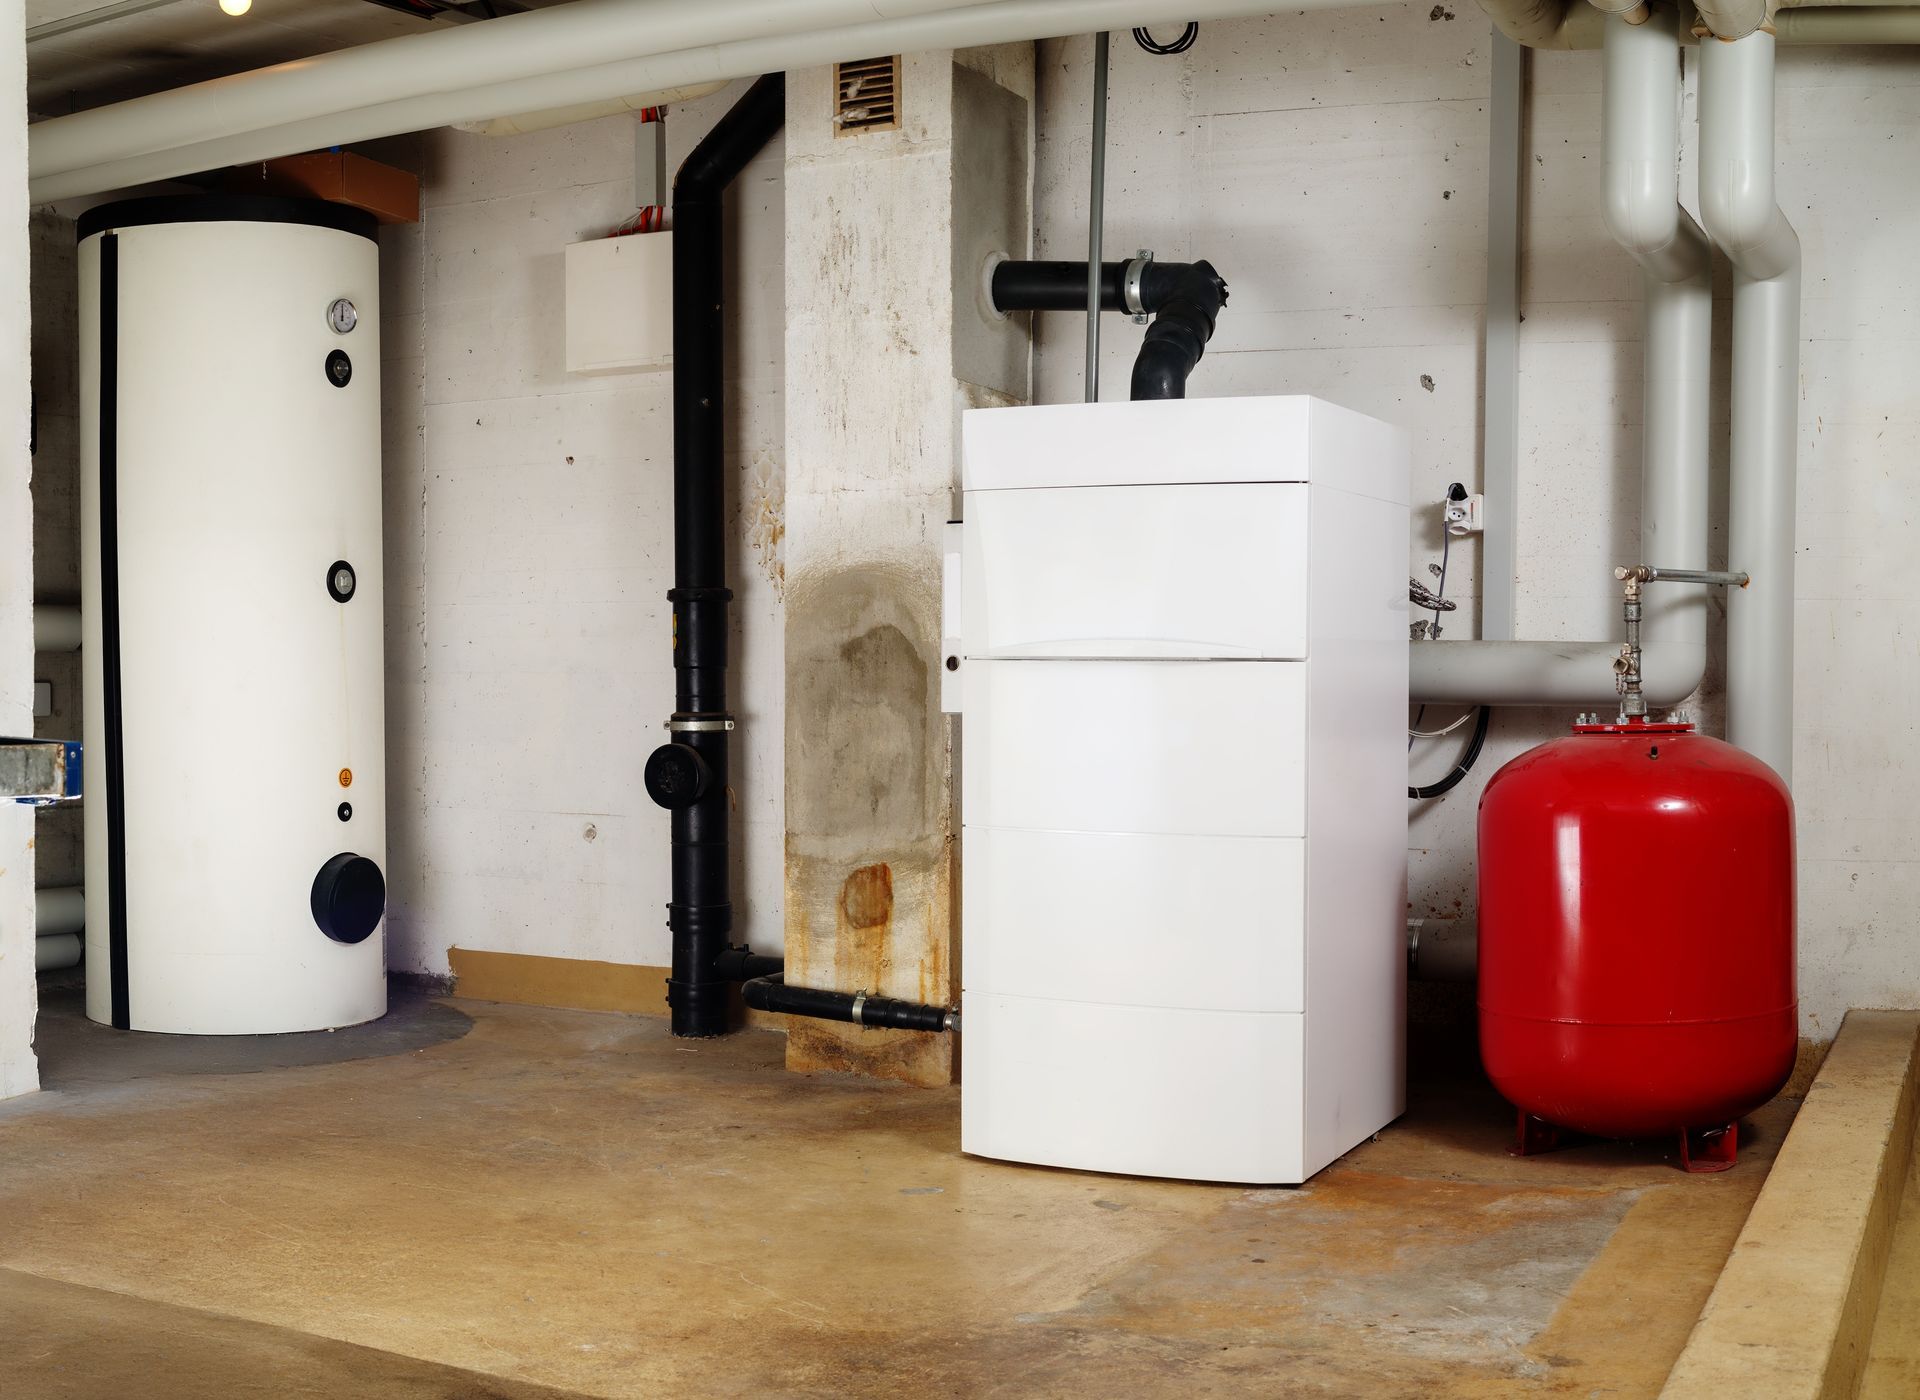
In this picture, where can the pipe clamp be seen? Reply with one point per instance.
(678, 725)
(859, 1006)
(1132, 296)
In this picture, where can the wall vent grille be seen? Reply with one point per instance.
(866, 95)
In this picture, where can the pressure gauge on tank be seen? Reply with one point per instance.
(341, 316)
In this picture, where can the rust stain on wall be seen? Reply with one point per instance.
(866, 899)
(863, 927)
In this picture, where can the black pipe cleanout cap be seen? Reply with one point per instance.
(349, 898)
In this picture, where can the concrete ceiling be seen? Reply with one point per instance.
(185, 41)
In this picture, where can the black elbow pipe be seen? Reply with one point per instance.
(773, 994)
(689, 775)
(1187, 298)
(1184, 299)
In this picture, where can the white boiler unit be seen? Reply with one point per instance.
(231, 601)
(1180, 652)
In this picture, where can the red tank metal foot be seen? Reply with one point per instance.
(1709, 1149)
(1535, 1135)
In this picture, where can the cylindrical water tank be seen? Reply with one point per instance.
(231, 598)
(1637, 931)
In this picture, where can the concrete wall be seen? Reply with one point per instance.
(529, 552)
(56, 511)
(19, 1073)
(1333, 166)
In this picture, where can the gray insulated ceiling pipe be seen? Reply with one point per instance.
(1739, 207)
(1641, 142)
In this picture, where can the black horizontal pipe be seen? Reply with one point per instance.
(743, 964)
(771, 993)
(1055, 286)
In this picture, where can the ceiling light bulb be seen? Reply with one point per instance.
(236, 7)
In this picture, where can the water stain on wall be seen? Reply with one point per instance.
(868, 864)
(765, 509)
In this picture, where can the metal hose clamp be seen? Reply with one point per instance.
(688, 725)
(859, 1007)
(1131, 295)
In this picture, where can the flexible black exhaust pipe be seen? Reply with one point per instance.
(1184, 298)
(688, 776)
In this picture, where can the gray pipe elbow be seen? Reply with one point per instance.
(1737, 199)
(1732, 19)
(1641, 137)
(1539, 24)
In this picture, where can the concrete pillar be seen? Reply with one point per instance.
(19, 1073)
(887, 340)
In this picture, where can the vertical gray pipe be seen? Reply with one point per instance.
(1738, 205)
(1096, 214)
(1640, 103)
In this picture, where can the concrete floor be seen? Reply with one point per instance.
(574, 1200)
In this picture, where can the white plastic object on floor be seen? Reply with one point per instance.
(1183, 682)
(251, 750)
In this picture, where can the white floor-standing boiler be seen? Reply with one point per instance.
(231, 600)
(1180, 654)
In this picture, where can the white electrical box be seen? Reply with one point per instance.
(620, 304)
(1181, 637)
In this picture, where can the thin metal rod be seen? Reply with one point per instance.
(1096, 214)
(1724, 577)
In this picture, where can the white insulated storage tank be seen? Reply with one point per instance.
(1182, 643)
(231, 615)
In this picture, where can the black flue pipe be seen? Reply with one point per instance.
(1055, 286)
(688, 776)
(1183, 298)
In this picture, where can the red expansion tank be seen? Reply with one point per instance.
(1637, 932)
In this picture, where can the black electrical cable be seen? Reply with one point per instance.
(1144, 38)
(1467, 760)
(1446, 552)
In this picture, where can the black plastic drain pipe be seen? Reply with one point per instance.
(771, 993)
(688, 776)
(1184, 299)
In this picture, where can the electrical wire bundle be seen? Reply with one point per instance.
(1144, 38)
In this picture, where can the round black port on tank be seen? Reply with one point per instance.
(676, 776)
(345, 811)
(349, 896)
(341, 580)
(339, 368)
